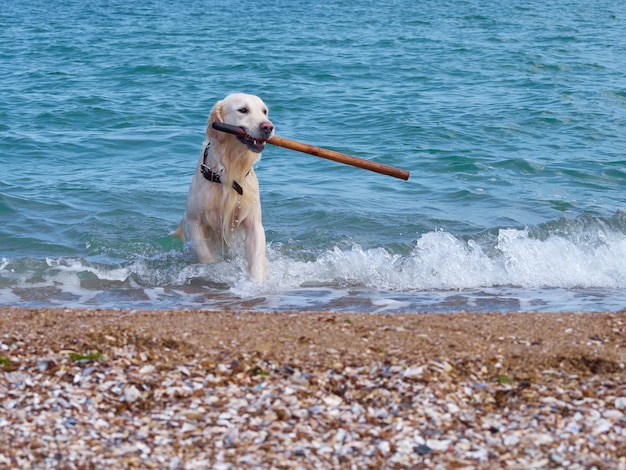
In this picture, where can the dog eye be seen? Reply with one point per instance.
(243, 110)
(265, 112)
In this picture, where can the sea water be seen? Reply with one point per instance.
(511, 117)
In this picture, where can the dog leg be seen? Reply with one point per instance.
(255, 250)
(202, 242)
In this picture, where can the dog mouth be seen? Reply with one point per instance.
(255, 145)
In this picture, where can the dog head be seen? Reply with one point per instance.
(248, 112)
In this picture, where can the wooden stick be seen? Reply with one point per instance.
(320, 152)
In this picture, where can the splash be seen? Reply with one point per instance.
(548, 267)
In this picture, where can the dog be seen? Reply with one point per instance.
(223, 203)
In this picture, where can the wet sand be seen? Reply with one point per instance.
(423, 389)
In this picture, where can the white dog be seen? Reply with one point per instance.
(223, 204)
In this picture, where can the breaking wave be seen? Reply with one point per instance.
(583, 257)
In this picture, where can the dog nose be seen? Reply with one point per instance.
(267, 127)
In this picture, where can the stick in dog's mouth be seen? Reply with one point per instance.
(312, 150)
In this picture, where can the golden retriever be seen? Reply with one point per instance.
(223, 203)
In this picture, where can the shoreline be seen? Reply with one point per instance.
(306, 389)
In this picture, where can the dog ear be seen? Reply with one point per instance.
(217, 115)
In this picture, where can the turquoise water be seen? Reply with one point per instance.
(511, 117)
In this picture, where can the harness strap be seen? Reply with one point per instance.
(213, 177)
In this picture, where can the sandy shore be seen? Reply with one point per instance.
(200, 389)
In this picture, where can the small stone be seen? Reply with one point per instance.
(573, 428)
(413, 372)
(146, 370)
(557, 458)
(437, 444)
(384, 447)
(422, 449)
(44, 365)
(542, 463)
(510, 440)
(452, 408)
(441, 366)
(479, 454)
(332, 400)
(620, 403)
(131, 394)
(614, 415)
(340, 436)
(543, 439)
(602, 427)
(188, 427)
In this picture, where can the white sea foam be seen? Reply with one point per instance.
(559, 262)
(74, 265)
(386, 304)
(442, 261)
(509, 270)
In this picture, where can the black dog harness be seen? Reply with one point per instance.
(210, 175)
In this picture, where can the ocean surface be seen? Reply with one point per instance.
(510, 116)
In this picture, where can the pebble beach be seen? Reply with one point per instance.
(94, 388)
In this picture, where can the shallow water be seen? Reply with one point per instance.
(511, 118)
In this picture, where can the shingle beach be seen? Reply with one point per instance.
(83, 389)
